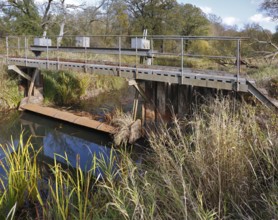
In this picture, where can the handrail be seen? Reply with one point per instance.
(120, 44)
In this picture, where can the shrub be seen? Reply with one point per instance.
(64, 88)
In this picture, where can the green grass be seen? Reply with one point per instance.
(68, 88)
(9, 92)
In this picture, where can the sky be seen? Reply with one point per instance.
(232, 12)
(235, 12)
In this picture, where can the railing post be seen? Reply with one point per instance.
(85, 61)
(25, 49)
(47, 55)
(238, 62)
(182, 60)
(58, 59)
(18, 44)
(136, 53)
(7, 49)
(152, 50)
(120, 55)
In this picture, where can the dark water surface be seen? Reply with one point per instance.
(63, 139)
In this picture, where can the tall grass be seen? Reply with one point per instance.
(222, 168)
(9, 93)
(220, 164)
(20, 184)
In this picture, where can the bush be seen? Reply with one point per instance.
(64, 88)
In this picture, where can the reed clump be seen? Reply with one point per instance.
(222, 168)
(19, 186)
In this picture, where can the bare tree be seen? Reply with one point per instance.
(270, 7)
(46, 17)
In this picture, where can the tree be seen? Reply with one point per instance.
(149, 14)
(270, 7)
(46, 17)
(20, 16)
(193, 20)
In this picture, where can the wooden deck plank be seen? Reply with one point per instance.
(69, 117)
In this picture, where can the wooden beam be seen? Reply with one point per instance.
(19, 71)
(33, 82)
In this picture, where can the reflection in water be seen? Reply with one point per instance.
(59, 138)
(73, 148)
(67, 143)
(56, 138)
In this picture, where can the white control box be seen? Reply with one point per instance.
(42, 42)
(82, 41)
(140, 43)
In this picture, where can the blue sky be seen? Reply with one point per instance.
(235, 12)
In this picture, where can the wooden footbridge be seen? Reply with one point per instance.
(157, 84)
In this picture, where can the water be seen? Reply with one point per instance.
(55, 138)
(58, 139)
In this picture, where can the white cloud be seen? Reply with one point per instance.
(230, 21)
(206, 9)
(258, 18)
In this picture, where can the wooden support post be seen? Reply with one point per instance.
(19, 71)
(33, 82)
(160, 101)
(150, 108)
(135, 105)
(183, 100)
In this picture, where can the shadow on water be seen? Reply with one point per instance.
(109, 101)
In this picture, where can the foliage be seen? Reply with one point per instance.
(9, 92)
(192, 21)
(20, 17)
(22, 176)
(64, 88)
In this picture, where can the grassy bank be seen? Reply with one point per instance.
(266, 77)
(221, 164)
(9, 92)
(68, 88)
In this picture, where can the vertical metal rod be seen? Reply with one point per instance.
(47, 55)
(120, 55)
(85, 62)
(136, 52)
(182, 60)
(238, 63)
(25, 51)
(58, 59)
(18, 44)
(152, 51)
(7, 49)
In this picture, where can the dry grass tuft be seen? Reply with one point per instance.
(122, 123)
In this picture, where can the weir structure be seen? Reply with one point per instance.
(165, 89)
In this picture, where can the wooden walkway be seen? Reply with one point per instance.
(69, 117)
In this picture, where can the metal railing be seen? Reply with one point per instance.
(120, 50)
